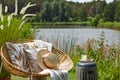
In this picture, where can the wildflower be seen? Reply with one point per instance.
(16, 7)
(21, 24)
(0, 10)
(6, 9)
(12, 14)
(25, 8)
(1, 27)
(1, 15)
(10, 18)
(28, 15)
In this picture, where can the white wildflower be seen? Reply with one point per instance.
(10, 18)
(16, 7)
(28, 15)
(6, 9)
(0, 10)
(13, 14)
(1, 15)
(23, 10)
(21, 24)
(2, 27)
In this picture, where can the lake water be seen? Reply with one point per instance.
(65, 37)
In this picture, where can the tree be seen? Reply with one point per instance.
(62, 11)
(46, 12)
(74, 12)
(82, 13)
(117, 12)
(100, 5)
(109, 11)
(55, 10)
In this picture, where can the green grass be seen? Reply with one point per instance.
(18, 78)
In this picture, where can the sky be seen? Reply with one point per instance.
(88, 0)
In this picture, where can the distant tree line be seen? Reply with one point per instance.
(63, 11)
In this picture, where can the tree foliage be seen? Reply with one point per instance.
(117, 12)
(64, 11)
(109, 12)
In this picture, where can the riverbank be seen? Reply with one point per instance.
(108, 25)
(61, 24)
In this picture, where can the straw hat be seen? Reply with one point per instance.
(47, 59)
